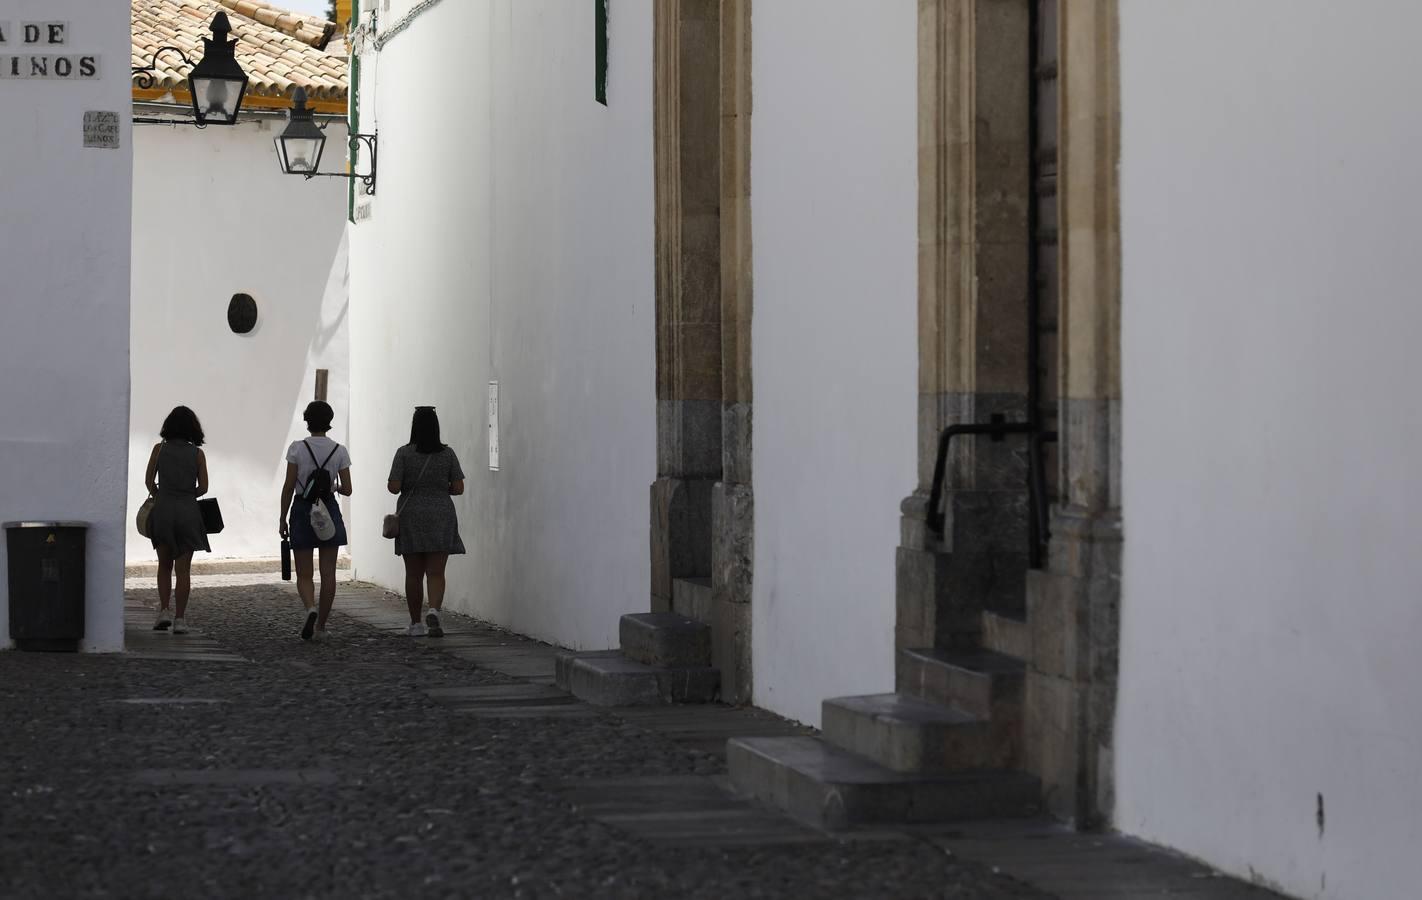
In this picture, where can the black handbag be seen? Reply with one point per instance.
(211, 515)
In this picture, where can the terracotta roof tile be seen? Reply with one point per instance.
(278, 50)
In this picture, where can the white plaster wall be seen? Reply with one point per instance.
(213, 216)
(511, 239)
(1270, 616)
(834, 205)
(64, 262)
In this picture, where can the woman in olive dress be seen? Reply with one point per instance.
(426, 475)
(176, 478)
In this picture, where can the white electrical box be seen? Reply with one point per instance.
(493, 426)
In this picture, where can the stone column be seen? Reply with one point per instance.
(688, 274)
(733, 501)
(1074, 606)
(974, 250)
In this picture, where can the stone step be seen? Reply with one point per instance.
(907, 734)
(607, 678)
(669, 640)
(827, 787)
(563, 664)
(691, 597)
(980, 682)
(1007, 633)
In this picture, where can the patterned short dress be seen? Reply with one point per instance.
(175, 521)
(428, 523)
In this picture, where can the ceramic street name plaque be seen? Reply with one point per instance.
(28, 51)
(101, 130)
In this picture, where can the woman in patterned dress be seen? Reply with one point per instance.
(176, 478)
(426, 474)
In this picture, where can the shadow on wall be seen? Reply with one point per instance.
(249, 390)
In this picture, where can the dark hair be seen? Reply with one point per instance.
(182, 425)
(424, 430)
(318, 415)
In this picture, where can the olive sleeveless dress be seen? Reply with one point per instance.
(175, 521)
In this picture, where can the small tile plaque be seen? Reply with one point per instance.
(101, 130)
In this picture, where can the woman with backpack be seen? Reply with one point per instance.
(176, 477)
(317, 469)
(426, 474)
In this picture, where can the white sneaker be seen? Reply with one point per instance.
(416, 630)
(319, 634)
(432, 622)
(180, 626)
(164, 620)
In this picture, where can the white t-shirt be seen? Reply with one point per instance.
(321, 446)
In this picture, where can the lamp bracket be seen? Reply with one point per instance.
(355, 142)
(143, 77)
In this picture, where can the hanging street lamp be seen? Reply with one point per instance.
(216, 82)
(300, 145)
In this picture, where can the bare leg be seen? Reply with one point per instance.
(434, 572)
(165, 577)
(414, 584)
(328, 584)
(184, 567)
(305, 583)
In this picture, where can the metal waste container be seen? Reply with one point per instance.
(46, 562)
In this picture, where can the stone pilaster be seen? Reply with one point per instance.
(703, 504)
(1074, 606)
(974, 247)
(733, 501)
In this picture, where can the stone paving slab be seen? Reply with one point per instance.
(142, 642)
(241, 778)
(1071, 865)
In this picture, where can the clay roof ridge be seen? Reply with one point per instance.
(310, 30)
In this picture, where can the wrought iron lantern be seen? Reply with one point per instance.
(216, 81)
(300, 146)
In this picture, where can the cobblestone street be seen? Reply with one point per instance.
(239, 761)
(326, 770)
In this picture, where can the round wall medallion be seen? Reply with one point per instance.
(242, 314)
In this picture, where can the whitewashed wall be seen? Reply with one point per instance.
(64, 261)
(213, 216)
(512, 240)
(834, 205)
(1272, 207)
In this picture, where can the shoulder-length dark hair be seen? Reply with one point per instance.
(424, 430)
(182, 425)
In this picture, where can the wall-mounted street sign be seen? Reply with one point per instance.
(101, 130)
(27, 51)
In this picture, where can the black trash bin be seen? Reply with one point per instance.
(46, 562)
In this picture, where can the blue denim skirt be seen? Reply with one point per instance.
(299, 525)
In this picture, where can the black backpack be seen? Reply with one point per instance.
(318, 486)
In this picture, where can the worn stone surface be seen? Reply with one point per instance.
(1007, 634)
(827, 787)
(733, 541)
(665, 639)
(691, 597)
(680, 534)
(977, 682)
(329, 771)
(615, 680)
(907, 734)
(731, 650)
